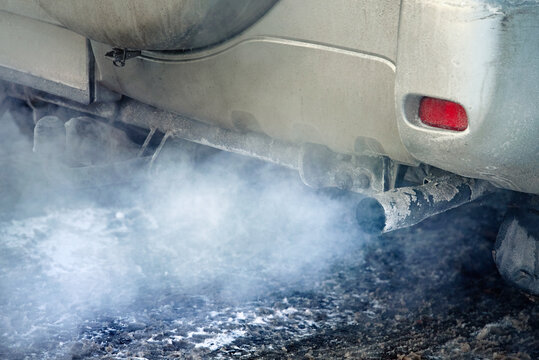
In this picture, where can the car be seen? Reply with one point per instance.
(420, 105)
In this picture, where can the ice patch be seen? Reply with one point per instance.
(220, 340)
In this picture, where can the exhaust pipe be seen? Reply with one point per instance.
(407, 206)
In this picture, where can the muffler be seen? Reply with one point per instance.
(407, 206)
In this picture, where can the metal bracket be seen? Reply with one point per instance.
(120, 56)
(4, 103)
(320, 167)
(159, 148)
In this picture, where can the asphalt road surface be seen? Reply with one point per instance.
(243, 272)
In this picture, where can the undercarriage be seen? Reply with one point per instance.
(111, 142)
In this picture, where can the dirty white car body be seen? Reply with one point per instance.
(330, 88)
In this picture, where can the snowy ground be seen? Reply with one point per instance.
(236, 259)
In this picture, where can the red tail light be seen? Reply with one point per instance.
(443, 114)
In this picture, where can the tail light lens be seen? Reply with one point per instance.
(443, 114)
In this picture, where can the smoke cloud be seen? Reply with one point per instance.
(228, 227)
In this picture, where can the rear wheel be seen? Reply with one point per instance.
(516, 252)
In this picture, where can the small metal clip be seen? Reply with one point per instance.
(120, 56)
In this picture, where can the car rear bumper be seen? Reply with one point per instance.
(485, 56)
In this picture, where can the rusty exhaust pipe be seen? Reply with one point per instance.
(407, 206)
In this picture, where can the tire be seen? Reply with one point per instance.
(516, 251)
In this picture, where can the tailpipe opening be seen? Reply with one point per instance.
(371, 216)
